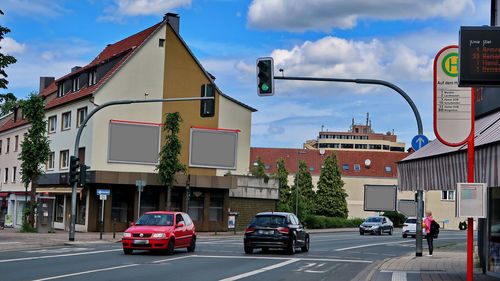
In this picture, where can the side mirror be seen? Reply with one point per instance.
(180, 224)
(131, 224)
(304, 224)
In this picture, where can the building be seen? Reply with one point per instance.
(358, 168)
(359, 137)
(152, 64)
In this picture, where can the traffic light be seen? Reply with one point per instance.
(265, 76)
(73, 169)
(84, 178)
(207, 107)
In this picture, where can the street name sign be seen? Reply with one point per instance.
(103, 192)
(453, 112)
(419, 141)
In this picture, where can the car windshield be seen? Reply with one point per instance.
(374, 219)
(411, 221)
(269, 221)
(156, 219)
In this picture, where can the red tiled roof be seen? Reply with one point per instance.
(379, 160)
(10, 125)
(127, 45)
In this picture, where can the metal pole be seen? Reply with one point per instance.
(297, 186)
(418, 236)
(79, 134)
(139, 203)
(102, 219)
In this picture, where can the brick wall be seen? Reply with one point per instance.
(248, 208)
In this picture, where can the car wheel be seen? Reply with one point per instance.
(390, 231)
(291, 247)
(404, 235)
(361, 233)
(127, 251)
(248, 250)
(171, 246)
(379, 232)
(305, 248)
(192, 246)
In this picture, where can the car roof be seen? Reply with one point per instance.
(273, 214)
(163, 212)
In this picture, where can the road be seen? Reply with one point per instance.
(336, 256)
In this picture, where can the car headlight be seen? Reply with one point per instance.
(127, 234)
(375, 226)
(159, 235)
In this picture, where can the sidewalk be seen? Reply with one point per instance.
(447, 263)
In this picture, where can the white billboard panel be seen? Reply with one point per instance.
(471, 200)
(213, 148)
(380, 198)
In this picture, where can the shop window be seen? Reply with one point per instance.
(176, 201)
(216, 206)
(81, 206)
(196, 203)
(122, 206)
(59, 208)
(149, 201)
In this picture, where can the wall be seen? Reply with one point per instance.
(248, 208)
(442, 209)
(10, 159)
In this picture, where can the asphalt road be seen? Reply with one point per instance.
(336, 256)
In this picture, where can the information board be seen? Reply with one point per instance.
(471, 200)
(407, 207)
(213, 148)
(479, 56)
(380, 198)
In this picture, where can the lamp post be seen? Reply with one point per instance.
(297, 189)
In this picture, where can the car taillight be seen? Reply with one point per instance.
(405, 225)
(250, 230)
(283, 230)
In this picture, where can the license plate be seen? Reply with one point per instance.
(265, 232)
(141, 242)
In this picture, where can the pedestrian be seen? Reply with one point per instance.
(429, 235)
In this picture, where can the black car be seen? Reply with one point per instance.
(276, 230)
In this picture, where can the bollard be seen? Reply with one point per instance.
(114, 228)
(215, 229)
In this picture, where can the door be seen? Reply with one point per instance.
(299, 229)
(181, 239)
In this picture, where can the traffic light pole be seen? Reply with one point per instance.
(77, 144)
(420, 202)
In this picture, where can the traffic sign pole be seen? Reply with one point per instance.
(470, 179)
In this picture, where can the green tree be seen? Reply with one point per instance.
(260, 170)
(9, 101)
(283, 204)
(306, 192)
(331, 197)
(169, 155)
(5, 60)
(35, 148)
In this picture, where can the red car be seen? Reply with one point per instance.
(160, 231)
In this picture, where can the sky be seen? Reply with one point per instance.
(391, 40)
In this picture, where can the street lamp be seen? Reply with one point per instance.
(297, 189)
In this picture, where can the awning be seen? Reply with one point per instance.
(57, 189)
(4, 194)
(440, 167)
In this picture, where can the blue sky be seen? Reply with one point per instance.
(392, 40)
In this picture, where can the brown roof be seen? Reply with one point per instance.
(10, 125)
(379, 160)
(126, 46)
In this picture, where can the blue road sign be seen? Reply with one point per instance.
(419, 141)
(103, 192)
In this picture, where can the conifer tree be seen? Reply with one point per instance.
(331, 197)
(306, 192)
(283, 204)
(260, 170)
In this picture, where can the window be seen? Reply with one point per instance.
(8, 145)
(64, 159)
(255, 164)
(347, 145)
(322, 166)
(6, 175)
(267, 167)
(364, 130)
(196, 202)
(59, 209)
(81, 114)
(52, 124)
(60, 89)
(311, 169)
(448, 195)
(66, 121)
(75, 84)
(50, 162)
(0, 146)
(92, 77)
(388, 169)
(385, 147)
(357, 167)
(16, 146)
(361, 146)
(14, 170)
(375, 146)
(216, 206)
(345, 167)
(161, 42)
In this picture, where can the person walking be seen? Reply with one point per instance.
(429, 235)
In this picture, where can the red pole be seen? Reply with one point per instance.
(470, 179)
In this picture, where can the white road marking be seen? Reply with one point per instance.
(399, 276)
(55, 251)
(6, 243)
(374, 244)
(257, 271)
(280, 258)
(58, 256)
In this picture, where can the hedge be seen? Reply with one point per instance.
(320, 222)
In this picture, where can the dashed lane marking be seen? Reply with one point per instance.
(59, 256)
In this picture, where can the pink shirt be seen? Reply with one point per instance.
(427, 222)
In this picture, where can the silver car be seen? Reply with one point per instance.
(376, 225)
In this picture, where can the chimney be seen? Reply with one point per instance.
(45, 82)
(173, 20)
(75, 68)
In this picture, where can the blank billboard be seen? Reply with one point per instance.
(134, 143)
(407, 207)
(380, 198)
(213, 148)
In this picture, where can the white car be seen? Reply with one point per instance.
(410, 227)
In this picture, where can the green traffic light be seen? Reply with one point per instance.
(264, 87)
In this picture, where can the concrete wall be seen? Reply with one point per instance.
(251, 187)
(10, 159)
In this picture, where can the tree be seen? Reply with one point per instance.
(283, 204)
(331, 197)
(169, 156)
(260, 170)
(9, 102)
(5, 60)
(35, 148)
(306, 192)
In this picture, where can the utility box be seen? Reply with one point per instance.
(45, 214)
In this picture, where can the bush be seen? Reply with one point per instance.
(397, 218)
(26, 227)
(321, 222)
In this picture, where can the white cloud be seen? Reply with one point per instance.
(38, 9)
(302, 15)
(142, 7)
(11, 46)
